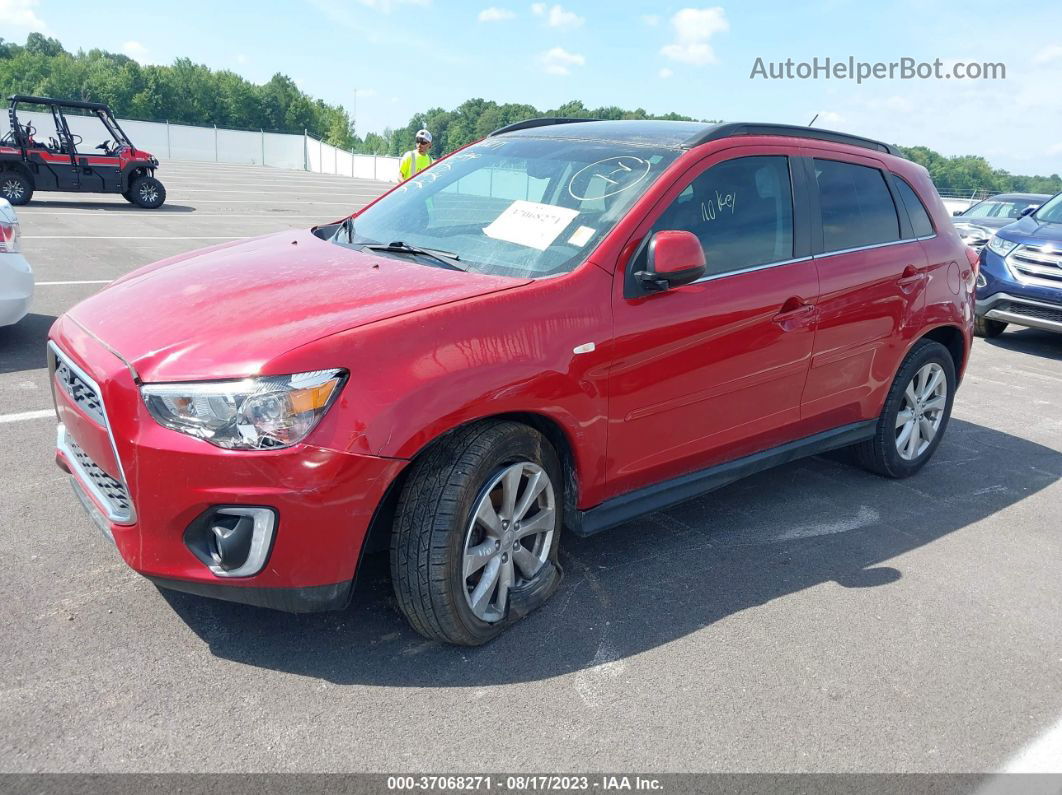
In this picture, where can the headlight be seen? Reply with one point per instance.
(971, 233)
(262, 413)
(1000, 245)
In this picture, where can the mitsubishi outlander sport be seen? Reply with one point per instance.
(556, 329)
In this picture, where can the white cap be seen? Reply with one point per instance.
(423, 135)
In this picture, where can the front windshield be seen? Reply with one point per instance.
(1051, 212)
(519, 207)
(1008, 208)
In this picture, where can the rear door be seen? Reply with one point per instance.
(714, 370)
(872, 274)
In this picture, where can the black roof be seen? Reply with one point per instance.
(674, 134)
(66, 103)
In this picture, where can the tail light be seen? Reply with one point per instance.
(10, 238)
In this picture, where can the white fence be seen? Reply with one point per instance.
(183, 142)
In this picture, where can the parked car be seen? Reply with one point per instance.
(1021, 274)
(977, 224)
(16, 275)
(565, 325)
(62, 163)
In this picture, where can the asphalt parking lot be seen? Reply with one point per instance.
(813, 618)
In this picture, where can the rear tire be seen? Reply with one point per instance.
(918, 406)
(988, 328)
(147, 192)
(465, 560)
(16, 188)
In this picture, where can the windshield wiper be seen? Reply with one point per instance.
(447, 259)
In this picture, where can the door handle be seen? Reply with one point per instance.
(793, 313)
(911, 278)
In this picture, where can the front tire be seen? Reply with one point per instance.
(147, 192)
(988, 328)
(16, 188)
(915, 414)
(475, 539)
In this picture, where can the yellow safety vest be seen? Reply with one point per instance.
(413, 163)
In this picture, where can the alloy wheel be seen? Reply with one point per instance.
(148, 193)
(508, 538)
(12, 190)
(922, 411)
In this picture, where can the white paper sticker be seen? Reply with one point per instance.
(530, 224)
(581, 235)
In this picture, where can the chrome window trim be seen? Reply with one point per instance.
(56, 352)
(872, 245)
(764, 266)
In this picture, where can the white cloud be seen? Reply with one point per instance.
(495, 14)
(135, 50)
(1052, 52)
(829, 117)
(650, 20)
(559, 61)
(557, 16)
(693, 29)
(665, 73)
(241, 58)
(20, 14)
(1055, 149)
(365, 93)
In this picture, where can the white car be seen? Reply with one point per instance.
(16, 275)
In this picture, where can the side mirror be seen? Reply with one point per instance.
(1027, 211)
(675, 258)
(957, 212)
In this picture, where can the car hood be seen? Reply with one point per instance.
(1029, 230)
(226, 311)
(987, 223)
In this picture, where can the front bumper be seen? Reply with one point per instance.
(143, 485)
(1008, 299)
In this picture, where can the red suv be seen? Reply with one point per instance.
(568, 324)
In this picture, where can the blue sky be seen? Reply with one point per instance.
(407, 55)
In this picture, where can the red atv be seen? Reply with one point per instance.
(27, 164)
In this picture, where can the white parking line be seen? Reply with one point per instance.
(134, 237)
(182, 216)
(89, 281)
(27, 415)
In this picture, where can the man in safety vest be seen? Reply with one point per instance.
(416, 160)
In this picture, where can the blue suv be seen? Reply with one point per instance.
(1021, 274)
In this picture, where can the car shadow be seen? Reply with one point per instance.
(659, 578)
(23, 345)
(107, 206)
(1045, 344)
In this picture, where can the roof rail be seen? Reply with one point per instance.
(66, 103)
(731, 129)
(527, 124)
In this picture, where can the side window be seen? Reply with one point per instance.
(917, 212)
(742, 211)
(857, 208)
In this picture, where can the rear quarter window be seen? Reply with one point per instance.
(916, 210)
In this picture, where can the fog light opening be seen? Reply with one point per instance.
(232, 540)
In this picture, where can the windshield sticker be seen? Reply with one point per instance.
(530, 224)
(581, 236)
(607, 177)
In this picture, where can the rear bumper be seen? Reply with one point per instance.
(324, 500)
(16, 288)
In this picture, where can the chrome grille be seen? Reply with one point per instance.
(83, 393)
(1042, 263)
(112, 492)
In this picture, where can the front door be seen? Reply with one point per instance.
(714, 370)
